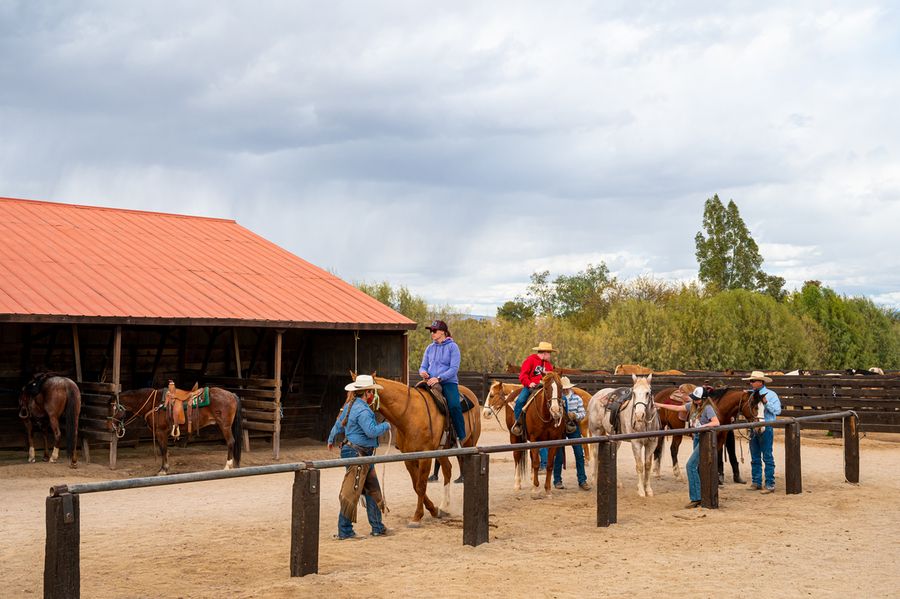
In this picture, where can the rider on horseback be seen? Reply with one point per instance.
(533, 370)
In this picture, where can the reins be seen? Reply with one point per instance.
(119, 426)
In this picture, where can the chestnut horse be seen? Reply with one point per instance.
(224, 410)
(45, 398)
(670, 419)
(420, 426)
(506, 393)
(543, 422)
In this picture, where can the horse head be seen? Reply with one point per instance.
(553, 395)
(756, 406)
(642, 396)
(495, 399)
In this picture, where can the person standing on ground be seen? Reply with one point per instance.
(761, 439)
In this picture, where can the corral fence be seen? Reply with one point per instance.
(876, 399)
(62, 569)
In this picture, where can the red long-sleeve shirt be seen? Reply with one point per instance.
(533, 370)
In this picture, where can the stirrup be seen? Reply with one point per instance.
(516, 429)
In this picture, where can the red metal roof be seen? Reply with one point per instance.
(61, 262)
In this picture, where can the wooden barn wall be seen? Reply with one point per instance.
(315, 364)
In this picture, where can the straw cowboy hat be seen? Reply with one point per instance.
(566, 383)
(757, 375)
(363, 382)
(543, 346)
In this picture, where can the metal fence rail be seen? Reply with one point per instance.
(62, 574)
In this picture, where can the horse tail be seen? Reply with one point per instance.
(521, 466)
(73, 407)
(237, 431)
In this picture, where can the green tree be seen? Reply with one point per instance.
(728, 255)
(515, 311)
(582, 298)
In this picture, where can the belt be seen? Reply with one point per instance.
(357, 447)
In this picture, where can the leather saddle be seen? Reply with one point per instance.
(616, 400)
(441, 402)
(181, 407)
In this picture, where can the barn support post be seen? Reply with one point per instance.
(605, 476)
(276, 436)
(237, 369)
(62, 567)
(793, 479)
(476, 499)
(305, 523)
(709, 471)
(76, 352)
(117, 381)
(404, 370)
(851, 448)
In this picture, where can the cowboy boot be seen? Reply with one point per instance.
(519, 426)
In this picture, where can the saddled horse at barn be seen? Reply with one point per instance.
(635, 412)
(42, 402)
(201, 408)
(420, 426)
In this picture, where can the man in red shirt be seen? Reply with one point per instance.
(533, 369)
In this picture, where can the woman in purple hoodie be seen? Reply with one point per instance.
(440, 364)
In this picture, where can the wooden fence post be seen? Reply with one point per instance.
(793, 479)
(851, 448)
(476, 499)
(62, 550)
(305, 523)
(605, 477)
(709, 471)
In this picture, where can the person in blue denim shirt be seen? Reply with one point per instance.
(575, 413)
(701, 413)
(761, 439)
(357, 431)
(440, 365)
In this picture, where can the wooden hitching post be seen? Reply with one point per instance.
(709, 471)
(851, 448)
(62, 570)
(605, 476)
(793, 479)
(305, 523)
(476, 498)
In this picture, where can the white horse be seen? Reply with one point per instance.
(636, 414)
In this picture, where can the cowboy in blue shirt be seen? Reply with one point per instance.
(357, 425)
(575, 413)
(761, 439)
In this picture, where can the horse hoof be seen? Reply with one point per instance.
(413, 524)
(442, 514)
(649, 492)
(31, 460)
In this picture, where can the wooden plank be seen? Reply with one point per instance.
(605, 476)
(709, 471)
(276, 437)
(230, 381)
(99, 388)
(259, 415)
(96, 435)
(476, 499)
(793, 478)
(76, 349)
(117, 381)
(259, 405)
(95, 410)
(305, 500)
(242, 393)
(851, 449)
(259, 426)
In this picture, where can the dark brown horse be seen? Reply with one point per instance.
(420, 426)
(224, 410)
(670, 419)
(543, 422)
(43, 400)
(731, 403)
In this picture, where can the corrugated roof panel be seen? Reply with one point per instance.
(80, 261)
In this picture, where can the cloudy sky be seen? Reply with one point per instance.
(456, 148)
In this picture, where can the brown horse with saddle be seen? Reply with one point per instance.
(169, 409)
(43, 401)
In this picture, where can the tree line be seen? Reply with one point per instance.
(736, 317)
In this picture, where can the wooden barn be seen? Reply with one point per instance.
(123, 299)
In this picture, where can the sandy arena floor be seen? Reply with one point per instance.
(232, 538)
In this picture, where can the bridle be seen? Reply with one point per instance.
(118, 424)
(650, 412)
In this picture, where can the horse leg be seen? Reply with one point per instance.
(648, 465)
(57, 436)
(657, 456)
(535, 483)
(447, 471)
(162, 439)
(637, 450)
(519, 459)
(551, 460)
(676, 443)
(29, 430)
(225, 429)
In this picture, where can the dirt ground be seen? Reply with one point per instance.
(232, 538)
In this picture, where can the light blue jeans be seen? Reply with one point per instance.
(345, 526)
(761, 451)
(520, 403)
(693, 471)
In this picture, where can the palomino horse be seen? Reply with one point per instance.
(506, 393)
(420, 425)
(44, 398)
(636, 414)
(670, 419)
(543, 422)
(224, 410)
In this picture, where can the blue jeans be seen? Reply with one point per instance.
(345, 526)
(520, 403)
(544, 453)
(579, 460)
(693, 471)
(761, 451)
(451, 394)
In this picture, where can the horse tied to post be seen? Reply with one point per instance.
(420, 426)
(43, 400)
(628, 410)
(672, 420)
(161, 411)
